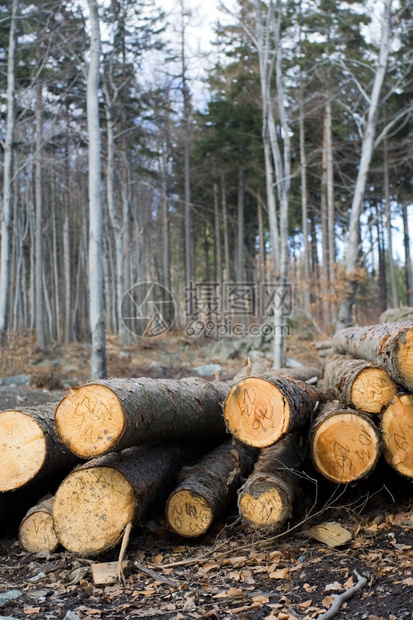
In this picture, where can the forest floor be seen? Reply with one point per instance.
(230, 573)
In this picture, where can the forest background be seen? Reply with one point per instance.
(288, 185)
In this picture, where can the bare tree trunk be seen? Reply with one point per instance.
(262, 257)
(240, 236)
(324, 233)
(382, 263)
(346, 307)
(187, 163)
(330, 205)
(304, 206)
(98, 358)
(408, 260)
(166, 254)
(40, 335)
(7, 211)
(217, 226)
(227, 270)
(393, 288)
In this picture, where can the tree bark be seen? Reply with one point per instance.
(97, 325)
(345, 444)
(359, 384)
(29, 447)
(397, 434)
(95, 503)
(7, 208)
(345, 311)
(265, 501)
(36, 531)
(205, 489)
(98, 418)
(260, 410)
(388, 346)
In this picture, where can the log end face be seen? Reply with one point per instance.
(37, 534)
(91, 509)
(372, 390)
(345, 447)
(405, 358)
(397, 433)
(188, 514)
(256, 412)
(90, 420)
(23, 449)
(268, 511)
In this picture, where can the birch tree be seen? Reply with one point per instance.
(7, 212)
(345, 311)
(97, 325)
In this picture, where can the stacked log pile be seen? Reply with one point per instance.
(144, 443)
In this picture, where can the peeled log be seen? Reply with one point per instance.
(359, 383)
(105, 416)
(345, 444)
(36, 532)
(389, 346)
(397, 433)
(29, 448)
(266, 499)
(95, 502)
(205, 489)
(260, 410)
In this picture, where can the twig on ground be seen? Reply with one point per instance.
(339, 599)
(123, 549)
(156, 576)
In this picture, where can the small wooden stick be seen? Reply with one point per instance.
(339, 599)
(122, 553)
(156, 576)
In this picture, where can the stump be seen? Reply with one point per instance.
(359, 384)
(260, 410)
(102, 417)
(265, 501)
(36, 532)
(345, 444)
(205, 489)
(389, 346)
(96, 501)
(397, 433)
(29, 448)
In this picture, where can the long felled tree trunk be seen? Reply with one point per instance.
(352, 260)
(97, 325)
(388, 345)
(97, 501)
(98, 418)
(7, 210)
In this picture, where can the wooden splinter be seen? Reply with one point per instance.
(345, 444)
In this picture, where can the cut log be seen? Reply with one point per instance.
(358, 383)
(389, 346)
(260, 410)
(205, 489)
(29, 448)
(95, 502)
(101, 417)
(397, 433)
(265, 501)
(36, 532)
(345, 444)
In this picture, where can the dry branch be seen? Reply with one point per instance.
(101, 417)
